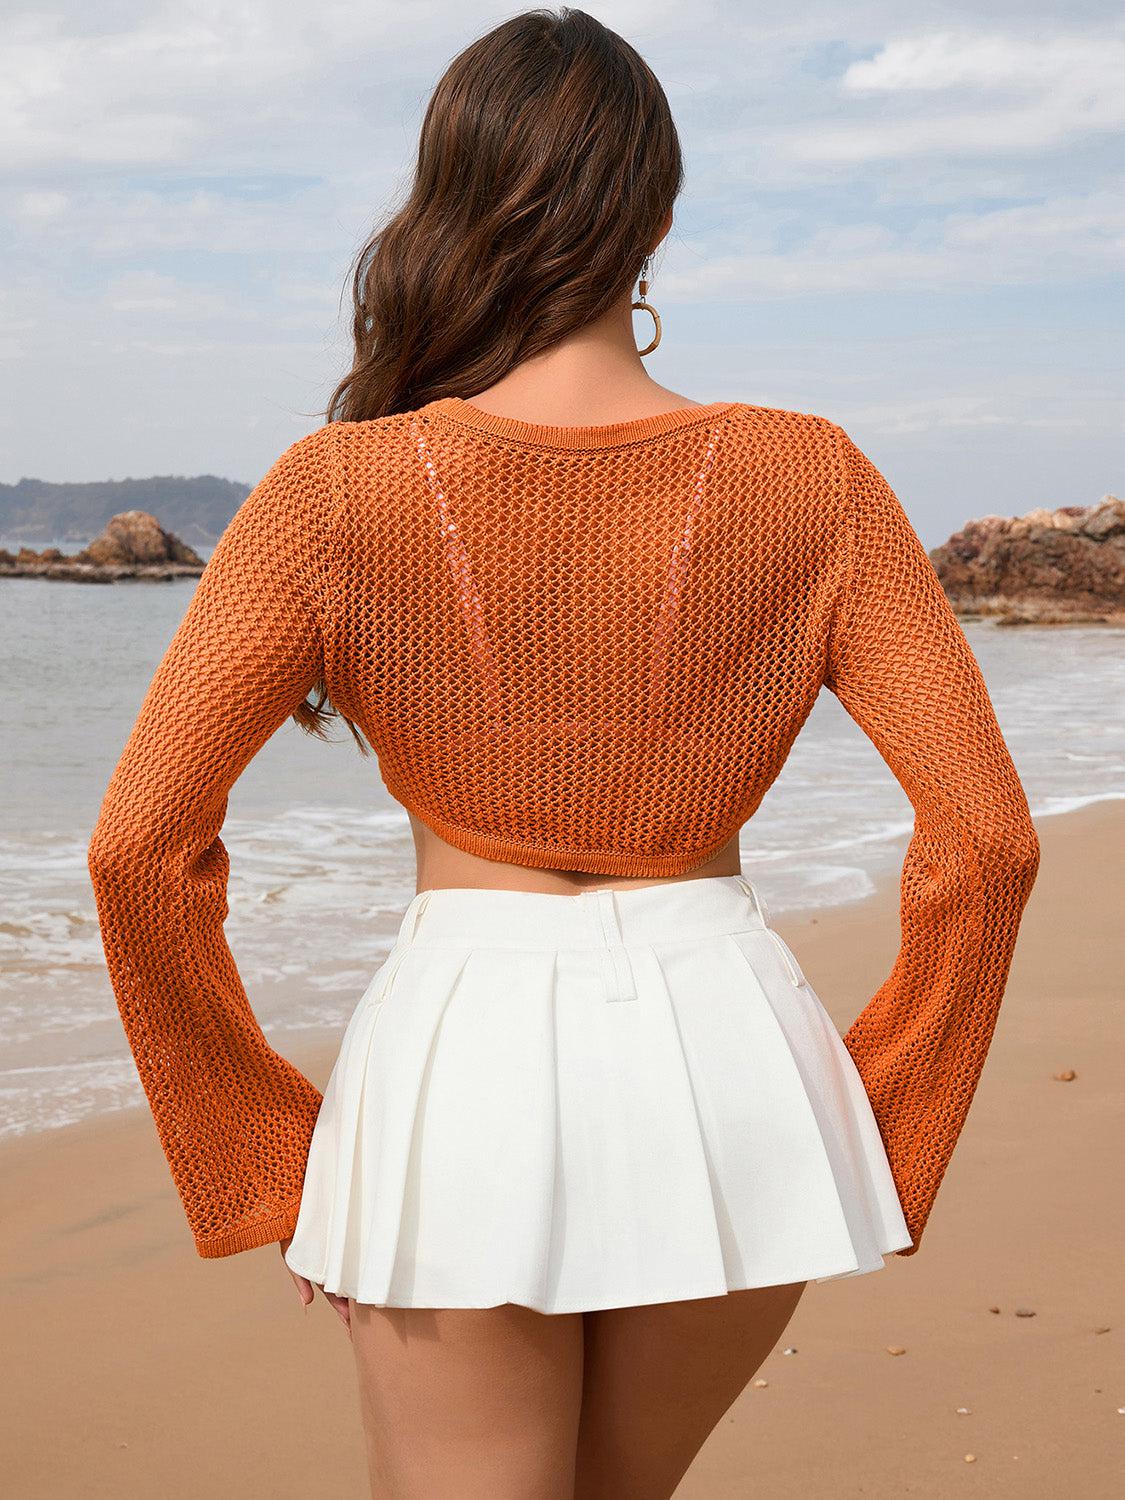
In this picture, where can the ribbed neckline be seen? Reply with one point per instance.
(597, 435)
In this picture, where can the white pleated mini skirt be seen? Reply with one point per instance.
(575, 1102)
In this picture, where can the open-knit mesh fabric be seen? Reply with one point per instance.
(585, 648)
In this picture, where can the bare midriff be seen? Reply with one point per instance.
(442, 864)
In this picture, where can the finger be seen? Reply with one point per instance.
(302, 1283)
(342, 1308)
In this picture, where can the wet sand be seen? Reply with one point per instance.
(134, 1368)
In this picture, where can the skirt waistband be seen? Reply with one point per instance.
(598, 918)
(602, 920)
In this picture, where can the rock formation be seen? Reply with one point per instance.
(133, 545)
(1048, 567)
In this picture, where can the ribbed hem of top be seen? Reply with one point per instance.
(557, 857)
(588, 437)
(279, 1227)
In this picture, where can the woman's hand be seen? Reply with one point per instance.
(306, 1290)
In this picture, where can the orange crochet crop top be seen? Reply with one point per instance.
(570, 647)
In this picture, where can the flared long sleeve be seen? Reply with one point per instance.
(900, 664)
(234, 1117)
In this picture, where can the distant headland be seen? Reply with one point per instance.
(196, 507)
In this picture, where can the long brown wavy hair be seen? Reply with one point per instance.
(547, 163)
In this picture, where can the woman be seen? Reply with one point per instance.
(590, 1132)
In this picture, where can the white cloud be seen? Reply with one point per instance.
(967, 93)
(1071, 236)
(158, 89)
(38, 205)
(1077, 64)
(1079, 229)
(955, 410)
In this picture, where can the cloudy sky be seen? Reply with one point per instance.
(908, 219)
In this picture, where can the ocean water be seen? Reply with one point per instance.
(322, 859)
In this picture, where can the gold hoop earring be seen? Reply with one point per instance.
(648, 308)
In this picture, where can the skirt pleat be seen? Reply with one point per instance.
(500, 1126)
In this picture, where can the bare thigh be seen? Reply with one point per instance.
(658, 1379)
(468, 1403)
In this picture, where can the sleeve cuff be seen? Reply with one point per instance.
(250, 1236)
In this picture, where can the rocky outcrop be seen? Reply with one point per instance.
(1048, 567)
(133, 545)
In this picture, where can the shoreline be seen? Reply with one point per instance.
(313, 1041)
(152, 1370)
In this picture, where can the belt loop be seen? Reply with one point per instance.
(759, 904)
(412, 915)
(619, 981)
(788, 958)
(407, 930)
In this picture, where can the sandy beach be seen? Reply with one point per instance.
(134, 1368)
